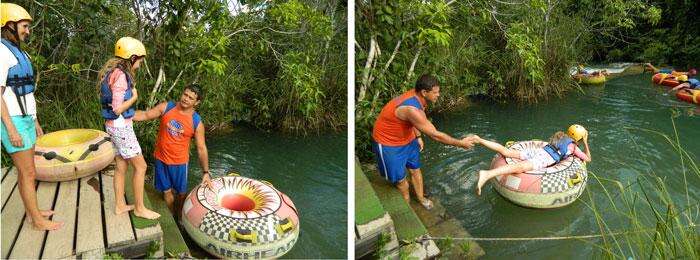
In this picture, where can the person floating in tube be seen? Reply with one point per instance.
(687, 85)
(179, 124)
(560, 146)
(671, 71)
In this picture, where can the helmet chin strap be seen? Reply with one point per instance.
(15, 32)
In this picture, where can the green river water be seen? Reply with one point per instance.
(311, 170)
(614, 114)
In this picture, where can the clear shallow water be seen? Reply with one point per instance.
(612, 113)
(311, 170)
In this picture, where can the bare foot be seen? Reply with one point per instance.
(44, 213)
(118, 210)
(481, 182)
(47, 225)
(146, 213)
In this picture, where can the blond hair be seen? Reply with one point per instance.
(115, 62)
(556, 137)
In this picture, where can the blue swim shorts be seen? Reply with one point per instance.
(392, 161)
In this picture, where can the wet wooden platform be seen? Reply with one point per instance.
(441, 223)
(90, 229)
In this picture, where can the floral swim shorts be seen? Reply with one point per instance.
(124, 140)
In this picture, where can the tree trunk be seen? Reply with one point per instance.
(371, 56)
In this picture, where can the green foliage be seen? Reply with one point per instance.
(505, 50)
(383, 239)
(153, 248)
(663, 226)
(276, 65)
(247, 57)
(668, 33)
(112, 256)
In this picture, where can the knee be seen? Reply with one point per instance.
(402, 184)
(415, 172)
(28, 173)
(140, 169)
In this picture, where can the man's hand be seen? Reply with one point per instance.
(206, 180)
(421, 144)
(466, 142)
(470, 140)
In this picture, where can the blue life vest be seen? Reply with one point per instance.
(559, 150)
(106, 98)
(694, 83)
(21, 76)
(666, 70)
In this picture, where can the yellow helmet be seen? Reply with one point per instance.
(682, 78)
(127, 47)
(576, 132)
(12, 13)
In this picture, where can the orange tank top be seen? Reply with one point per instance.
(174, 135)
(389, 129)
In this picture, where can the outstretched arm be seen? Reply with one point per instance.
(651, 68)
(420, 121)
(152, 113)
(585, 156)
(680, 86)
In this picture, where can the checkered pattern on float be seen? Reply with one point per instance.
(218, 226)
(557, 181)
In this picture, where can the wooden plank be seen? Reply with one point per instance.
(93, 254)
(137, 249)
(30, 241)
(12, 216)
(118, 227)
(5, 171)
(8, 183)
(149, 233)
(59, 243)
(89, 228)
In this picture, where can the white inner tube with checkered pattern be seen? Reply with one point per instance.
(241, 218)
(552, 187)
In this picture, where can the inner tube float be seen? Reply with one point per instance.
(71, 154)
(552, 187)
(689, 95)
(241, 218)
(665, 80)
(590, 79)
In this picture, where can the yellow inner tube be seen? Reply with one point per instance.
(68, 137)
(592, 79)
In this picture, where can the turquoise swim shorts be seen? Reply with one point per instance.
(26, 128)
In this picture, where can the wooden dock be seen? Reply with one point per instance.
(90, 230)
